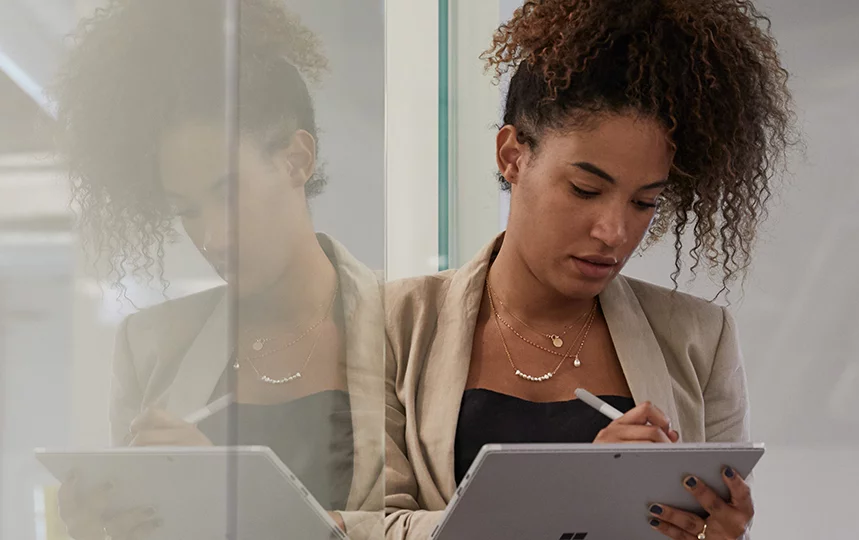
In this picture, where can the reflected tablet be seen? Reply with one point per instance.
(206, 493)
(582, 491)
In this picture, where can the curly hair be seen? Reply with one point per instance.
(138, 68)
(709, 71)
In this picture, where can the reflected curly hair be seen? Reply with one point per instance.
(138, 68)
(709, 71)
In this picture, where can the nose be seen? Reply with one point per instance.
(610, 228)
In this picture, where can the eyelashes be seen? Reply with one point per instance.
(586, 194)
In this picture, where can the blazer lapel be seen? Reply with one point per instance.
(202, 365)
(446, 368)
(639, 353)
(365, 372)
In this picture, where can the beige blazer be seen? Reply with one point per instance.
(174, 354)
(677, 351)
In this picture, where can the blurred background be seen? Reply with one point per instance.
(407, 119)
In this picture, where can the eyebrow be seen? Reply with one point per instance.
(596, 171)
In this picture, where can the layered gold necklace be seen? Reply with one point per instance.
(580, 338)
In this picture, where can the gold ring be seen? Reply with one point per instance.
(703, 534)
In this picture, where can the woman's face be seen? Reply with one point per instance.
(581, 205)
(271, 209)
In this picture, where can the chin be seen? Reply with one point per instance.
(575, 285)
(248, 286)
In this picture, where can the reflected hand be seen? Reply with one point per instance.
(156, 427)
(86, 517)
(338, 519)
(643, 424)
(728, 520)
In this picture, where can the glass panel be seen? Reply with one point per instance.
(225, 160)
(797, 309)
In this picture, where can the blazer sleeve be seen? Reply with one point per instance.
(404, 519)
(726, 399)
(126, 395)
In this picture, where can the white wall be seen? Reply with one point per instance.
(411, 138)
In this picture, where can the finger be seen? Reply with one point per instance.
(685, 521)
(645, 413)
(634, 433)
(123, 523)
(76, 504)
(82, 513)
(670, 530)
(155, 418)
(741, 493)
(157, 437)
(732, 520)
(145, 529)
(91, 530)
(67, 492)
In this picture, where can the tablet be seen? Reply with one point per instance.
(582, 491)
(205, 493)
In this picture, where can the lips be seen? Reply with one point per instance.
(595, 266)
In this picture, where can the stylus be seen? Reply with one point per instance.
(219, 404)
(598, 404)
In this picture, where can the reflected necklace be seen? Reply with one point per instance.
(260, 342)
(297, 375)
(556, 339)
(548, 375)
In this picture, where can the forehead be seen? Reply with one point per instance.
(625, 146)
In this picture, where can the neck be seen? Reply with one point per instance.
(304, 289)
(524, 294)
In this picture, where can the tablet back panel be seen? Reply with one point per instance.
(582, 491)
(207, 493)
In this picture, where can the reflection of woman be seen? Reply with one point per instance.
(141, 103)
(622, 118)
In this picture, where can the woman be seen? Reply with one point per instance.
(621, 119)
(141, 105)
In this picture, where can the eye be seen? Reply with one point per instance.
(583, 193)
(645, 205)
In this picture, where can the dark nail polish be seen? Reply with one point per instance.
(654, 523)
(729, 472)
(656, 509)
(691, 482)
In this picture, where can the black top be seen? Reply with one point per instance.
(311, 435)
(487, 417)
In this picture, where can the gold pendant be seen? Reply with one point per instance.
(556, 341)
(258, 345)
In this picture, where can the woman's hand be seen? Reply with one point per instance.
(156, 427)
(86, 516)
(643, 424)
(726, 521)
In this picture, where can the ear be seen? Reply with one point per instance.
(509, 153)
(298, 159)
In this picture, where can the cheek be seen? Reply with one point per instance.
(637, 226)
